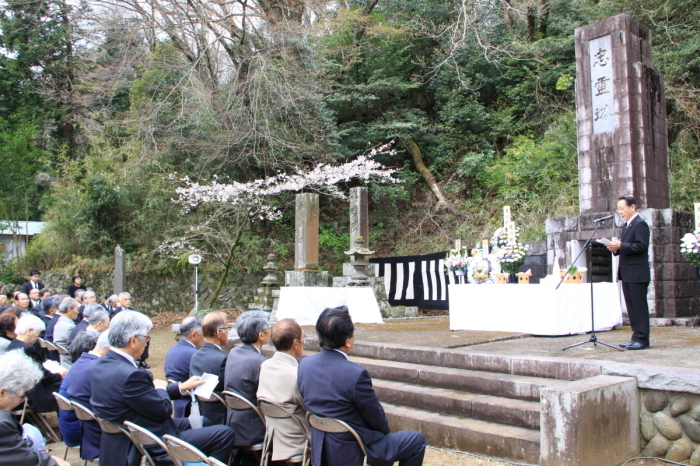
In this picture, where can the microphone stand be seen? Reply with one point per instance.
(593, 339)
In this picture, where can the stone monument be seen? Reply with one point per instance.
(623, 149)
(119, 270)
(306, 269)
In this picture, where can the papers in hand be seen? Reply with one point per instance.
(207, 388)
(52, 366)
(604, 241)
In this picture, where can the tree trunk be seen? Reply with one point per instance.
(414, 150)
(227, 267)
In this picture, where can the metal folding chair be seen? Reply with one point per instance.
(25, 412)
(145, 437)
(182, 451)
(61, 349)
(335, 426)
(273, 410)
(235, 401)
(64, 404)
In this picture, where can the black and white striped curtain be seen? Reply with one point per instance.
(416, 280)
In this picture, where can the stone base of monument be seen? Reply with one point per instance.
(377, 283)
(671, 291)
(305, 278)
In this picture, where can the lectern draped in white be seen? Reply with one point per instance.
(305, 303)
(534, 309)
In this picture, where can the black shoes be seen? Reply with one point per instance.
(144, 365)
(634, 345)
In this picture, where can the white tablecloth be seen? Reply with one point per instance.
(305, 303)
(534, 309)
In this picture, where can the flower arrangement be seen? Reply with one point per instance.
(690, 248)
(480, 271)
(457, 262)
(510, 256)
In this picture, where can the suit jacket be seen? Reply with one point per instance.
(242, 375)
(61, 335)
(14, 450)
(79, 389)
(51, 326)
(82, 325)
(335, 387)
(211, 359)
(130, 397)
(41, 395)
(28, 286)
(177, 361)
(278, 383)
(634, 252)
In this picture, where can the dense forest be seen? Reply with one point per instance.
(108, 107)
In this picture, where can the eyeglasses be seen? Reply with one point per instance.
(223, 328)
(148, 338)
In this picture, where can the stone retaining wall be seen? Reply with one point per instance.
(670, 426)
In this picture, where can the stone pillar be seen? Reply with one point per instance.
(306, 269)
(359, 216)
(621, 117)
(306, 232)
(119, 270)
(591, 422)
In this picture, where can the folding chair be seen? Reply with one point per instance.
(214, 397)
(214, 462)
(273, 410)
(335, 426)
(25, 412)
(61, 349)
(109, 427)
(145, 437)
(235, 401)
(43, 343)
(64, 404)
(184, 452)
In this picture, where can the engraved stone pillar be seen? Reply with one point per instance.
(119, 275)
(306, 236)
(621, 117)
(359, 216)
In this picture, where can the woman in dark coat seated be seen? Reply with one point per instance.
(18, 373)
(8, 321)
(41, 397)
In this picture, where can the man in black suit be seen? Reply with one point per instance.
(332, 386)
(177, 359)
(242, 376)
(633, 270)
(211, 359)
(34, 276)
(134, 396)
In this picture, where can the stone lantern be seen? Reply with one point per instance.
(359, 262)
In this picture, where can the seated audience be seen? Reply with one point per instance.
(278, 383)
(61, 332)
(111, 305)
(28, 329)
(95, 319)
(334, 387)
(134, 396)
(3, 301)
(177, 359)
(76, 285)
(242, 375)
(48, 310)
(18, 374)
(34, 302)
(8, 321)
(79, 388)
(68, 422)
(211, 359)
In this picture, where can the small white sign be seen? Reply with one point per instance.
(506, 215)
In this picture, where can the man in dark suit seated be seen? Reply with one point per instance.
(211, 359)
(332, 386)
(242, 376)
(95, 318)
(130, 394)
(177, 359)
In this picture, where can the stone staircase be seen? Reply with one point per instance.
(477, 402)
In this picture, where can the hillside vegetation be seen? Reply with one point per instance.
(105, 107)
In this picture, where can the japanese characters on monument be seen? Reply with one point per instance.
(510, 228)
(602, 79)
(506, 215)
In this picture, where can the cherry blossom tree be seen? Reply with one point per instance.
(218, 215)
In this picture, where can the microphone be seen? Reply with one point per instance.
(602, 219)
